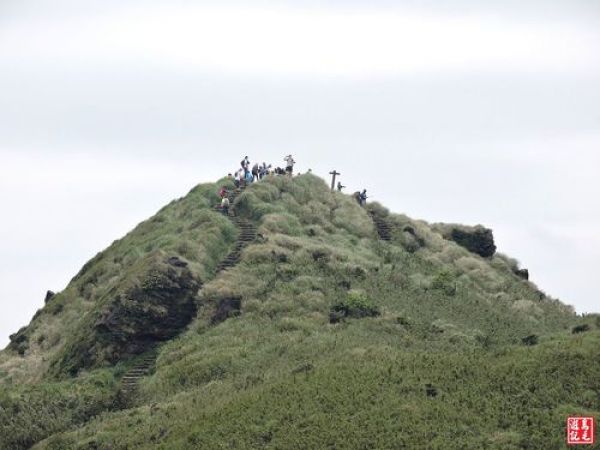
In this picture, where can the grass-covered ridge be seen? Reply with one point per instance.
(186, 228)
(343, 341)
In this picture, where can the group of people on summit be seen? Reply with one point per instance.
(248, 174)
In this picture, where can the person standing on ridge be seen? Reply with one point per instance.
(245, 163)
(264, 170)
(363, 198)
(289, 164)
(255, 172)
(340, 187)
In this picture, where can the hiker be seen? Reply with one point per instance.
(245, 163)
(249, 177)
(289, 166)
(255, 172)
(363, 198)
(223, 192)
(225, 205)
(264, 170)
(242, 179)
(340, 187)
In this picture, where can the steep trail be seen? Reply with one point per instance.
(147, 362)
(384, 230)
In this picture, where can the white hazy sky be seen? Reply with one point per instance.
(455, 111)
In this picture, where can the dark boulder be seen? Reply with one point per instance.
(226, 308)
(175, 261)
(530, 340)
(522, 273)
(49, 296)
(478, 239)
(336, 316)
(580, 328)
(430, 390)
(19, 341)
(410, 240)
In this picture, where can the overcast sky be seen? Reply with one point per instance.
(468, 112)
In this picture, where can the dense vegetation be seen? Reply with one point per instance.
(344, 341)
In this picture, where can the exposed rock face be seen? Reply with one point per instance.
(158, 301)
(476, 239)
(156, 309)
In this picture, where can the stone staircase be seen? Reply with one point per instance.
(384, 230)
(131, 379)
(246, 236)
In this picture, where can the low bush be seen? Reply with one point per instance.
(445, 281)
(356, 304)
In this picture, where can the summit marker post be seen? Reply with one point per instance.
(333, 175)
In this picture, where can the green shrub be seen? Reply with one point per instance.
(356, 304)
(445, 281)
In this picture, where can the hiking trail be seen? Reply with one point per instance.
(384, 230)
(147, 362)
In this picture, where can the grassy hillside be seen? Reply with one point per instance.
(343, 341)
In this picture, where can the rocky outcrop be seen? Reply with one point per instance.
(226, 308)
(522, 273)
(49, 296)
(155, 302)
(155, 309)
(477, 239)
(19, 341)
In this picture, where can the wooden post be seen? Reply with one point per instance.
(333, 175)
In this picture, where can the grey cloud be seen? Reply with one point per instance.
(152, 109)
